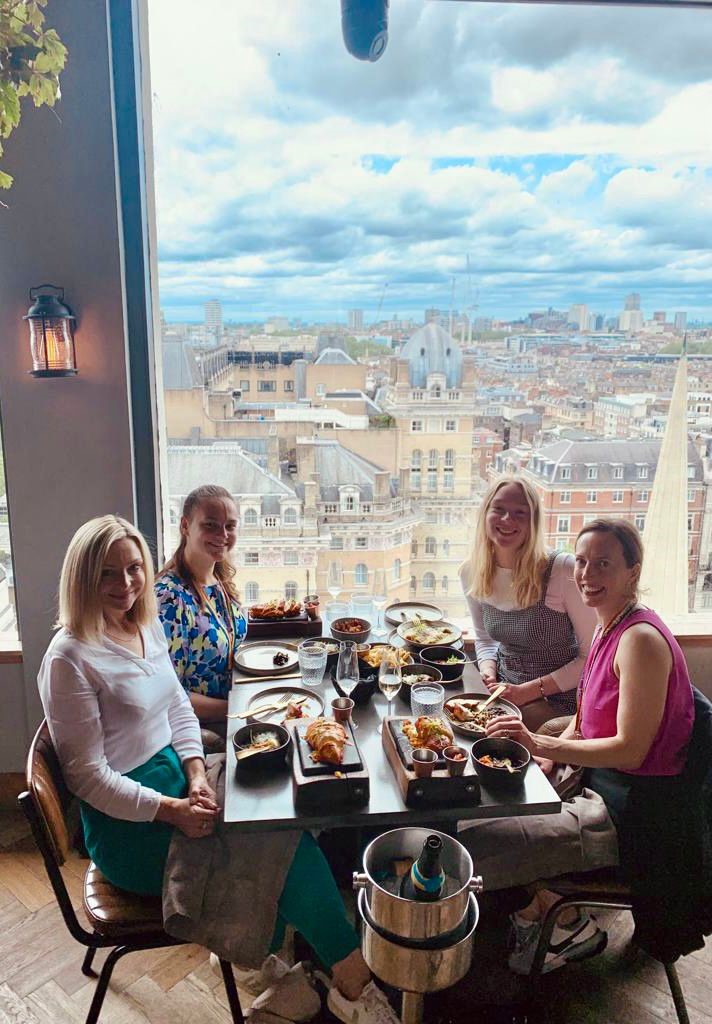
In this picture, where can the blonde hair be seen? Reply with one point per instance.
(480, 568)
(224, 570)
(80, 606)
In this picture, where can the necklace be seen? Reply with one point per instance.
(600, 634)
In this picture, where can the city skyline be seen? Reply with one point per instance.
(562, 154)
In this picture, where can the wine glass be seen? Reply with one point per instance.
(335, 579)
(379, 598)
(389, 677)
(347, 674)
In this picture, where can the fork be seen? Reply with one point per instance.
(263, 709)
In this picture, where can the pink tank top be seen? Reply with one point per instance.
(600, 701)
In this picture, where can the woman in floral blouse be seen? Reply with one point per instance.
(198, 605)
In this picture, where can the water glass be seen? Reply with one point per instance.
(427, 699)
(362, 606)
(312, 662)
(334, 610)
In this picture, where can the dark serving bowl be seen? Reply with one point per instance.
(500, 777)
(332, 648)
(265, 760)
(416, 670)
(358, 636)
(367, 685)
(437, 655)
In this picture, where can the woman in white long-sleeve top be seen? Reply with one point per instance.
(532, 630)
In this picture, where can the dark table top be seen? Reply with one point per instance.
(256, 804)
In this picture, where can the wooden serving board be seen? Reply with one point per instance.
(440, 790)
(277, 629)
(330, 788)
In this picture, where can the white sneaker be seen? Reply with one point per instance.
(371, 1007)
(576, 941)
(255, 982)
(292, 996)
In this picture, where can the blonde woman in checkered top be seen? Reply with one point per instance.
(532, 630)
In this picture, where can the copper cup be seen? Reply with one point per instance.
(455, 759)
(424, 762)
(341, 708)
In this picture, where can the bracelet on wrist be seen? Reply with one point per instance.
(541, 688)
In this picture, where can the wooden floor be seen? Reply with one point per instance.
(41, 983)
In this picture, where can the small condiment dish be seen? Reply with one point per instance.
(424, 762)
(455, 760)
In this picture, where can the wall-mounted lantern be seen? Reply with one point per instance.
(51, 333)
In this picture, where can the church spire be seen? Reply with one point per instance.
(665, 569)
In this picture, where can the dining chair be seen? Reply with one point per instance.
(596, 890)
(122, 921)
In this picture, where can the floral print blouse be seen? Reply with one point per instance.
(198, 641)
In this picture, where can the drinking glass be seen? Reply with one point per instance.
(347, 674)
(334, 579)
(334, 610)
(312, 662)
(389, 677)
(427, 699)
(362, 606)
(379, 597)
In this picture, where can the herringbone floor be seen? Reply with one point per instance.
(41, 983)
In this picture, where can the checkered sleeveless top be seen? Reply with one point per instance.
(533, 642)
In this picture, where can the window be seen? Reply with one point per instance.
(617, 472)
(337, 543)
(591, 497)
(566, 472)
(565, 497)
(690, 472)
(432, 480)
(640, 522)
(396, 570)
(271, 522)
(429, 581)
(413, 584)
(690, 496)
(321, 390)
(250, 517)
(642, 472)
(450, 458)
(290, 590)
(361, 575)
(563, 524)
(414, 549)
(266, 385)
(252, 592)
(643, 496)
(291, 557)
(289, 517)
(588, 519)
(415, 479)
(591, 472)
(416, 458)
(433, 458)
(448, 479)
(244, 386)
(350, 503)
(361, 542)
(445, 583)
(416, 426)
(289, 385)
(450, 426)
(690, 523)
(431, 546)
(617, 497)
(446, 549)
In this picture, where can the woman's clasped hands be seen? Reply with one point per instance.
(196, 814)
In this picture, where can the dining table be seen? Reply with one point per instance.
(256, 802)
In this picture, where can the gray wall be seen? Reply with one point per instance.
(67, 441)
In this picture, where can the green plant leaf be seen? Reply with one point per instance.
(5, 180)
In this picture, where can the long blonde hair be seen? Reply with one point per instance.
(480, 568)
(224, 570)
(80, 605)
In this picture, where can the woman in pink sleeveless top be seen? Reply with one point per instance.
(634, 720)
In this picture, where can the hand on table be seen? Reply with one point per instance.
(546, 764)
(511, 727)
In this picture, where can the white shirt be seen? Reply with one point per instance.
(110, 710)
(561, 596)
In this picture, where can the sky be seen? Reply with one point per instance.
(563, 154)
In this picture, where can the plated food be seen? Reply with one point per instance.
(401, 611)
(418, 633)
(430, 733)
(327, 739)
(375, 655)
(351, 628)
(277, 609)
(500, 761)
(468, 717)
(261, 747)
(282, 704)
(266, 657)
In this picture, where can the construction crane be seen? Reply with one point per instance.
(380, 303)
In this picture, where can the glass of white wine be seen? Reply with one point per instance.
(334, 579)
(389, 677)
(347, 671)
(379, 597)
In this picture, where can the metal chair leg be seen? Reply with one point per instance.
(676, 992)
(88, 961)
(231, 991)
(103, 982)
(547, 930)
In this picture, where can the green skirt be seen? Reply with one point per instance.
(132, 854)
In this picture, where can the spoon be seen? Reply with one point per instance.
(493, 696)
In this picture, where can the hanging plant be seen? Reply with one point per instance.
(31, 58)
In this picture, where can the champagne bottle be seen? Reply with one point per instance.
(426, 879)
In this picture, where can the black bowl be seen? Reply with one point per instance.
(434, 655)
(331, 658)
(358, 637)
(366, 687)
(416, 670)
(265, 760)
(501, 747)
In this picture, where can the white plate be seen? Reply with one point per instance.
(403, 610)
(312, 707)
(257, 658)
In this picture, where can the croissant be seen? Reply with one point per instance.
(327, 739)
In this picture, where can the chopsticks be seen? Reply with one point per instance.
(493, 696)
